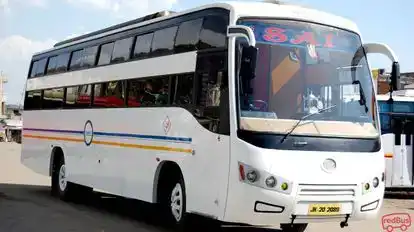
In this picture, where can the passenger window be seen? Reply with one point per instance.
(109, 94)
(163, 43)
(34, 69)
(213, 33)
(33, 100)
(143, 45)
(122, 50)
(76, 60)
(51, 66)
(188, 36)
(182, 89)
(152, 92)
(53, 98)
(62, 62)
(106, 54)
(41, 67)
(78, 97)
(89, 56)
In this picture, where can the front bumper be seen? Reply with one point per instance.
(255, 206)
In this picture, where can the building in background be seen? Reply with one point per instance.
(382, 78)
(3, 81)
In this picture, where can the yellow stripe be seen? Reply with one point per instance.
(52, 138)
(128, 145)
(388, 155)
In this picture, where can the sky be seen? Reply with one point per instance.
(29, 26)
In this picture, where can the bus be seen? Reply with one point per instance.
(261, 114)
(397, 130)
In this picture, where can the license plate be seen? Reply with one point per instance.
(324, 209)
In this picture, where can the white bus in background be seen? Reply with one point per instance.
(233, 111)
(397, 130)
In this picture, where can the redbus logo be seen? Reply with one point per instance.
(393, 221)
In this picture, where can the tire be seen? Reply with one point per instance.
(60, 186)
(294, 227)
(175, 204)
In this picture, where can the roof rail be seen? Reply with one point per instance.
(128, 23)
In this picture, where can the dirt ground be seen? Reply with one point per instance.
(26, 205)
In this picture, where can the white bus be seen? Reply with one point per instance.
(397, 130)
(235, 111)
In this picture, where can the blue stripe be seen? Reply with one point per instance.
(124, 135)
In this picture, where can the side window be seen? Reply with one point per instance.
(188, 36)
(143, 46)
(89, 56)
(53, 98)
(105, 54)
(51, 66)
(78, 97)
(213, 33)
(212, 97)
(62, 62)
(150, 92)
(76, 60)
(163, 42)
(136, 91)
(109, 94)
(122, 50)
(33, 100)
(41, 67)
(34, 69)
(182, 89)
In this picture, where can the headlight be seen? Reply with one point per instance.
(263, 179)
(369, 186)
(375, 182)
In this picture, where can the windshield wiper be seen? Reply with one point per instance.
(362, 98)
(303, 118)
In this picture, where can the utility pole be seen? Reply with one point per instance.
(3, 81)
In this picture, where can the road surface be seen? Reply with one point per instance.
(26, 205)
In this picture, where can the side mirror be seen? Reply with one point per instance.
(387, 51)
(248, 63)
(395, 76)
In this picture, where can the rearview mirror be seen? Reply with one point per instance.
(387, 51)
(395, 76)
(248, 63)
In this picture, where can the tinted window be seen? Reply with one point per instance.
(182, 89)
(213, 34)
(163, 42)
(53, 98)
(89, 56)
(153, 92)
(40, 67)
(109, 94)
(143, 45)
(78, 96)
(33, 70)
(188, 35)
(105, 54)
(33, 100)
(51, 67)
(122, 50)
(62, 62)
(75, 62)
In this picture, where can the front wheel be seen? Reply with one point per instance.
(174, 203)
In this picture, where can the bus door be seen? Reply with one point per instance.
(401, 173)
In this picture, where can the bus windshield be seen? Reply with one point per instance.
(303, 68)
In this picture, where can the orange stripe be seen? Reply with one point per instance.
(128, 145)
(52, 138)
(284, 72)
(388, 155)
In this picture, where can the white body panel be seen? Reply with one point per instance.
(122, 158)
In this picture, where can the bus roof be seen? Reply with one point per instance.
(237, 9)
